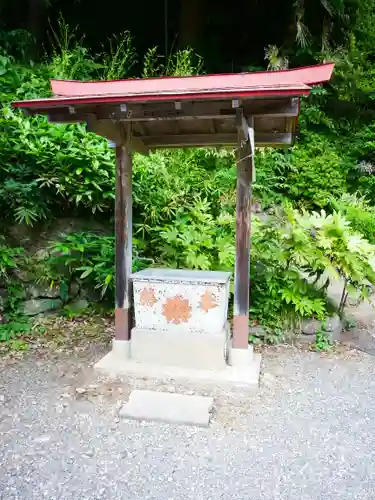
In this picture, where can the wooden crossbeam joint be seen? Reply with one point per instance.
(114, 132)
(242, 127)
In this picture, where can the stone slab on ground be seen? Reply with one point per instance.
(168, 407)
(115, 364)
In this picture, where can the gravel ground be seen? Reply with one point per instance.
(306, 434)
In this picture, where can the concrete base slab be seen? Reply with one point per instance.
(189, 350)
(241, 358)
(122, 348)
(113, 364)
(167, 407)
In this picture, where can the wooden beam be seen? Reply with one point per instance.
(137, 146)
(106, 128)
(123, 228)
(113, 131)
(183, 117)
(196, 140)
(287, 107)
(216, 110)
(272, 109)
(245, 165)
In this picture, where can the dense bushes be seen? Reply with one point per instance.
(359, 213)
(45, 169)
(184, 201)
(293, 258)
(311, 168)
(86, 259)
(294, 255)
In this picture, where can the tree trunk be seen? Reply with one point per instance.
(191, 22)
(36, 20)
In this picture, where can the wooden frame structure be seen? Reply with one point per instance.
(241, 110)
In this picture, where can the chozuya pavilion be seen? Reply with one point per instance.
(181, 316)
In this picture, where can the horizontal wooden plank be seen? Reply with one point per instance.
(167, 111)
(196, 140)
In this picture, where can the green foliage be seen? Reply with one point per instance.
(89, 259)
(293, 258)
(364, 29)
(120, 58)
(275, 60)
(327, 247)
(184, 62)
(281, 295)
(184, 201)
(14, 326)
(45, 168)
(17, 44)
(272, 170)
(152, 65)
(13, 332)
(359, 213)
(166, 181)
(322, 342)
(317, 173)
(43, 165)
(196, 240)
(70, 58)
(9, 261)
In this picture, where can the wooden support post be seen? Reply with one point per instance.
(245, 160)
(123, 227)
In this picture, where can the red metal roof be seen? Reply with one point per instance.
(194, 84)
(50, 102)
(293, 82)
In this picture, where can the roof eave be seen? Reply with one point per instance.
(53, 102)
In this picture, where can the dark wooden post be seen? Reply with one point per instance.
(243, 229)
(123, 239)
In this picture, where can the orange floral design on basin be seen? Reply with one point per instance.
(147, 297)
(208, 301)
(177, 310)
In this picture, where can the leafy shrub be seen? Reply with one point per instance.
(14, 332)
(280, 294)
(322, 342)
(9, 261)
(317, 172)
(120, 58)
(185, 62)
(70, 58)
(196, 240)
(165, 181)
(293, 258)
(336, 249)
(46, 168)
(359, 213)
(272, 168)
(88, 258)
(13, 325)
